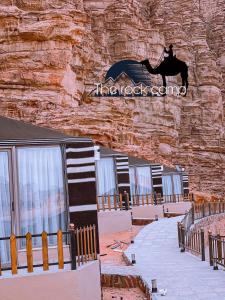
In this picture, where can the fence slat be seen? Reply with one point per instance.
(97, 203)
(95, 247)
(103, 202)
(13, 252)
(121, 202)
(128, 201)
(60, 249)
(109, 202)
(115, 200)
(78, 246)
(29, 252)
(85, 244)
(81, 246)
(91, 238)
(88, 243)
(44, 238)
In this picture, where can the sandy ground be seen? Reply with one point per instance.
(114, 257)
(122, 294)
(120, 241)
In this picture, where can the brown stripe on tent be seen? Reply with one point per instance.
(80, 145)
(82, 193)
(81, 165)
(82, 154)
(81, 175)
(123, 178)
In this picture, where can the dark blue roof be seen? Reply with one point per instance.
(133, 69)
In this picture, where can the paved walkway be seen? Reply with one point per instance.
(185, 276)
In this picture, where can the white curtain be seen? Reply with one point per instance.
(144, 184)
(177, 184)
(41, 192)
(5, 208)
(106, 177)
(167, 185)
(132, 181)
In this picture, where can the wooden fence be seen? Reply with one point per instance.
(126, 201)
(81, 241)
(194, 240)
(216, 251)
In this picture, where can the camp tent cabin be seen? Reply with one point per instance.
(47, 180)
(118, 172)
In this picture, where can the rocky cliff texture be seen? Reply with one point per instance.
(52, 52)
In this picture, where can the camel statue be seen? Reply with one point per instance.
(169, 67)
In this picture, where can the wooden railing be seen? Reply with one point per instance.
(81, 242)
(216, 251)
(126, 201)
(194, 240)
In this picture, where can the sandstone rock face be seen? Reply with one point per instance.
(52, 53)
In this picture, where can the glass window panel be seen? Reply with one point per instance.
(5, 206)
(144, 184)
(132, 180)
(106, 177)
(41, 191)
(167, 185)
(177, 184)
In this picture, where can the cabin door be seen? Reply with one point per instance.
(5, 205)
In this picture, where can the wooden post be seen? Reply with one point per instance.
(88, 242)
(203, 244)
(182, 238)
(193, 213)
(121, 202)
(115, 202)
(94, 237)
(178, 231)
(0, 268)
(44, 238)
(103, 202)
(29, 253)
(97, 203)
(13, 252)
(60, 249)
(81, 245)
(128, 201)
(73, 246)
(219, 248)
(85, 245)
(210, 248)
(143, 200)
(147, 199)
(91, 238)
(109, 202)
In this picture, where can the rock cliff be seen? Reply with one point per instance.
(53, 52)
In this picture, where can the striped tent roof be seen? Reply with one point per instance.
(133, 160)
(18, 132)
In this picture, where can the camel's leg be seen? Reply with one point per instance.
(184, 77)
(164, 85)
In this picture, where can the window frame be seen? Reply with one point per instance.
(136, 177)
(14, 182)
(11, 189)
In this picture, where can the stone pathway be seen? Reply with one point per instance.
(185, 276)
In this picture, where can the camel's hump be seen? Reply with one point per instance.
(132, 68)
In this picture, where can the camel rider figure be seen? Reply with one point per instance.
(170, 55)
